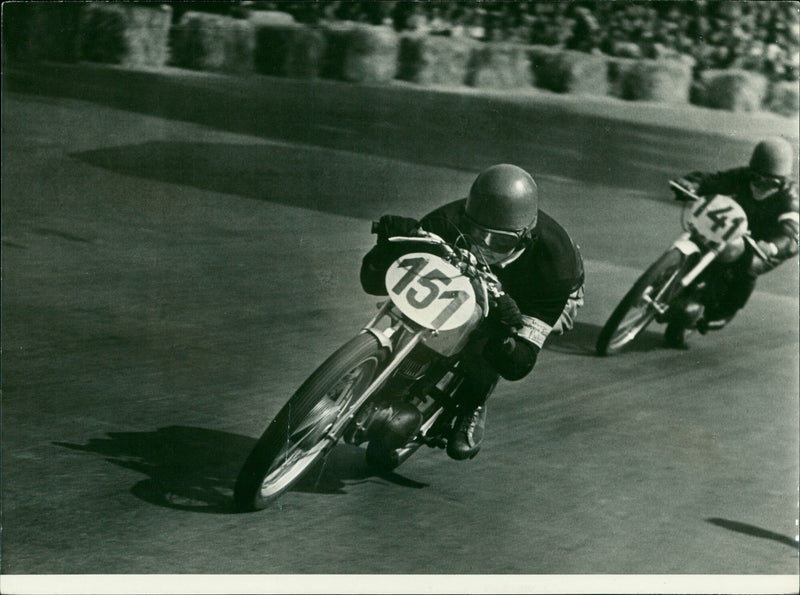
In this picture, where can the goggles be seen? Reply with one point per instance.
(494, 240)
(765, 182)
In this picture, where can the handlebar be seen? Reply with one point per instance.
(683, 190)
(746, 237)
(460, 255)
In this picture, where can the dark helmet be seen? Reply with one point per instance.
(504, 197)
(772, 158)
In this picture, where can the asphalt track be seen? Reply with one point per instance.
(166, 286)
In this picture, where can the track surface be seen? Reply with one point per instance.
(167, 286)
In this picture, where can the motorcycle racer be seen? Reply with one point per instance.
(538, 264)
(769, 197)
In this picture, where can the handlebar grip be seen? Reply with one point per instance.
(686, 192)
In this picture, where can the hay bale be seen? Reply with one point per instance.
(434, 59)
(784, 99)
(212, 42)
(733, 90)
(147, 35)
(306, 53)
(41, 31)
(337, 36)
(663, 81)
(288, 50)
(116, 33)
(567, 71)
(371, 55)
(270, 18)
(272, 43)
(500, 66)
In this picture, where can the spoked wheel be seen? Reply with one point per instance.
(658, 283)
(308, 426)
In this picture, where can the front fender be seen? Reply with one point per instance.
(685, 245)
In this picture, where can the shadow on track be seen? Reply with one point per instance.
(582, 338)
(389, 122)
(194, 469)
(280, 174)
(753, 531)
(579, 341)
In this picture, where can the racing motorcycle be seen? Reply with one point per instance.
(392, 385)
(676, 279)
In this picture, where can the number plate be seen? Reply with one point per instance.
(719, 220)
(431, 292)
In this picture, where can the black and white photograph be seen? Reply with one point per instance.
(400, 297)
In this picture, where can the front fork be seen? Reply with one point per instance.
(687, 247)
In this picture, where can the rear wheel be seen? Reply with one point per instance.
(636, 310)
(300, 435)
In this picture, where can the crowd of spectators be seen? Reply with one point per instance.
(748, 34)
(752, 35)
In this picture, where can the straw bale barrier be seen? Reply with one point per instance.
(41, 31)
(288, 50)
(337, 38)
(271, 43)
(566, 71)
(500, 66)
(371, 54)
(270, 18)
(784, 99)
(123, 34)
(662, 81)
(212, 42)
(733, 90)
(306, 53)
(434, 59)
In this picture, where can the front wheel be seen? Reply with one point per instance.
(636, 310)
(300, 435)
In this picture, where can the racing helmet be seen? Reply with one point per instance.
(501, 210)
(772, 158)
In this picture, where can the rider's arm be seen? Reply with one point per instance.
(707, 184)
(377, 260)
(514, 355)
(788, 228)
(373, 271)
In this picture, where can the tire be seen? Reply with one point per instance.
(634, 313)
(298, 436)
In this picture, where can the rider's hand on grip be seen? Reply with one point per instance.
(759, 266)
(392, 225)
(506, 312)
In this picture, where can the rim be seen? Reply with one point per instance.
(310, 438)
(642, 313)
(634, 321)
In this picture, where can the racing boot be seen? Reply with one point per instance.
(681, 325)
(704, 325)
(465, 440)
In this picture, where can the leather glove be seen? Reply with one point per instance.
(506, 312)
(391, 225)
(758, 266)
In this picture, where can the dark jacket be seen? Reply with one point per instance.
(540, 280)
(773, 219)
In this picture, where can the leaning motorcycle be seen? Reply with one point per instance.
(710, 225)
(391, 386)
